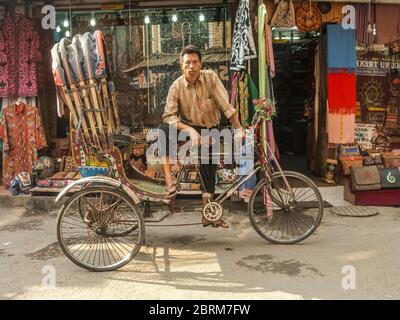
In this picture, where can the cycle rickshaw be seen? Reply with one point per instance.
(101, 226)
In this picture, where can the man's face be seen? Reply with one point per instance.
(191, 66)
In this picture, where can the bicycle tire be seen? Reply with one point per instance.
(260, 221)
(107, 241)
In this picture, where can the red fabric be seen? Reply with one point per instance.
(342, 93)
(22, 134)
(19, 41)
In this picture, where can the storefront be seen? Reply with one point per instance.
(312, 122)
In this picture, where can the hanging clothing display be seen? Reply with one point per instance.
(342, 93)
(269, 49)
(341, 47)
(264, 79)
(364, 21)
(243, 92)
(387, 23)
(243, 47)
(341, 84)
(22, 134)
(341, 127)
(20, 42)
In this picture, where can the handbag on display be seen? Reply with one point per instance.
(308, 17)
(365, 178)
(390, 178)
(284, 15)
(353, 150)
(373, 159)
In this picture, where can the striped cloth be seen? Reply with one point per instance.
(198, 105)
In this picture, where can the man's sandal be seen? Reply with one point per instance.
(220, 223)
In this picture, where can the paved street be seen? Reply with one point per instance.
(205, 263)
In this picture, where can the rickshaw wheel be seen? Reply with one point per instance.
(100, 228)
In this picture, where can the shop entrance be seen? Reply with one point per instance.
(293, 83)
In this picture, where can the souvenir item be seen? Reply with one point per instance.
(45, 183)
(308, 17)
(44, 167)
(365, 178)
(284, 16)
(390, 178)
(21, 183)
(379, 140)
(330, 170)
(324, 7)
(59, 175)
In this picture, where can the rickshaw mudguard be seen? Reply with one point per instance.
(100, 180)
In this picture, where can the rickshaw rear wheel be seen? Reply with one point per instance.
(100, 228)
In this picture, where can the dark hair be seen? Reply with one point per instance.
(190, 49)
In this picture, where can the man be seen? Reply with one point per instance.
(195, 101)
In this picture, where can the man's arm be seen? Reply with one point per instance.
(234, 119)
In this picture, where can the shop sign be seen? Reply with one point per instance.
(112, 6)
(376, 67)
(363, 134)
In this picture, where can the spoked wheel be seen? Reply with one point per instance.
(285, 215)
(100, 228)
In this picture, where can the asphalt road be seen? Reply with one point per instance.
(346, 258)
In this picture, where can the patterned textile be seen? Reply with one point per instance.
(234, 86)
(19, 41)
(308, 18)
(341, 47)
(22, 134)
(243, 47)
(244, 99)
(284, 16)
(198, 105)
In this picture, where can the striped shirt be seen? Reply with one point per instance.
(200, 104)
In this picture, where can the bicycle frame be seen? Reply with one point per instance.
(263, 164)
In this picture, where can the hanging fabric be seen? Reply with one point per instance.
(308, 17)
(243, 47)
(18, 75)
(341, 84)
(22, 134)
(269, 49)
(342, 93)
(244, 99)
(387, 23)
(364, 22)
(264, 80)
(341, 47)
(341, 128)
(284, 16)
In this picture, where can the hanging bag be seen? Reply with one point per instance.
(308, 17)
(284, 15)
